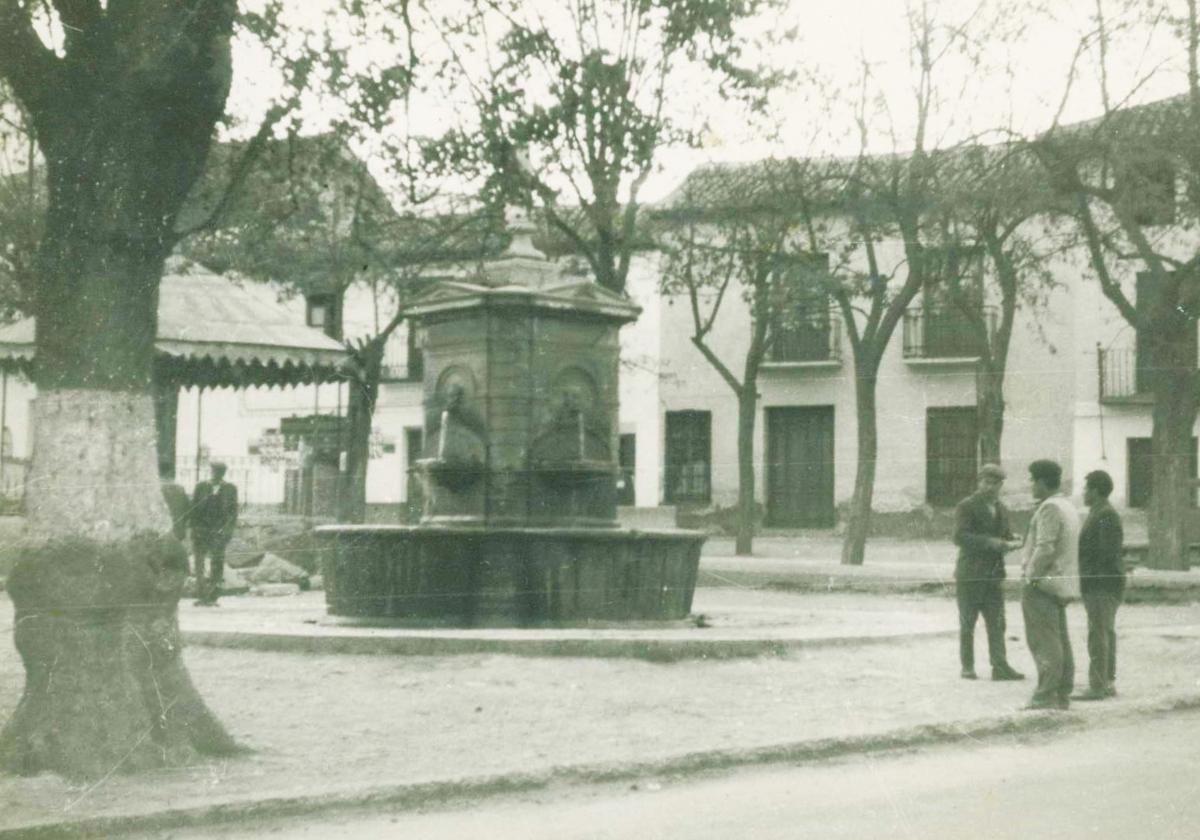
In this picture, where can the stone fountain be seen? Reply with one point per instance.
(519, 468)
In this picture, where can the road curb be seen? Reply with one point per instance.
(651, 649)
(481, 787)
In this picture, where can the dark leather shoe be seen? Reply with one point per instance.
(1091, 694)
(1046, 706)
(969, 674)
(1006, 674)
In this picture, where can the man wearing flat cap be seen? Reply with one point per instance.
(983, 537)
(213, 517)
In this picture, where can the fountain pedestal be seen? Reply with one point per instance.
(519, 468)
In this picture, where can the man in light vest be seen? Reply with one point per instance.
(1050, 572)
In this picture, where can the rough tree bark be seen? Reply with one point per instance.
(1176, 404)
(124, 121)
(989, 401)
(365, 373)
(858, 521)
(993, 349)
(747, 415)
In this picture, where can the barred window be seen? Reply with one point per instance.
(688, 456)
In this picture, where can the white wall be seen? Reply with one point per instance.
(641, 406)
(1039, 387)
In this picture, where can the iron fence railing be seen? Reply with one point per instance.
(259, 482)
(946, 333)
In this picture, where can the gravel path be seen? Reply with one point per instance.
(323, 723)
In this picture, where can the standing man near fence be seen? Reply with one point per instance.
(1051, 575)
(983, 537)
(213, 517)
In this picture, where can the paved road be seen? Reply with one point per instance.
(1136, 781)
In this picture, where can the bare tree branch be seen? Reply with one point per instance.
(242, 169)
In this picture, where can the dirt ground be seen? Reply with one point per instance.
(324, 723)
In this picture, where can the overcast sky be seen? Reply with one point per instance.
(1020, 83)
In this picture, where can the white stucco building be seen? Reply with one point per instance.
(1072, 394)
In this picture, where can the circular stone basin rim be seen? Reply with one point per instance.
(503, 530)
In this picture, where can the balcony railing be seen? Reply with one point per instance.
(945, 333)
(1121, 379)
(811, 339)
(401, 361)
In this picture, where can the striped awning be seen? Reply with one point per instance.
(217, 331)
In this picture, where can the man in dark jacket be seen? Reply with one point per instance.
(1102, 583)
(213, 517)
(983, 537)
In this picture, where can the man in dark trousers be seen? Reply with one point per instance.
(1050, 572)
(213, 517)
(983, 537)
(1102, 583)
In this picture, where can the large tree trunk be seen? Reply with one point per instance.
(360, 414)
(96, 594)
(124, 131)
(747, 414)
(989, 401)
(106, 689)
(1174, 419)
(858, 523)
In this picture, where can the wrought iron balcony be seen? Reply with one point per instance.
(945, 333)
(1121, 378)
(402, 360)
(811, 340)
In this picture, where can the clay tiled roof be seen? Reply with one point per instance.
(772, 184)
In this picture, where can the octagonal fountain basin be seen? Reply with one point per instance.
(515, 576)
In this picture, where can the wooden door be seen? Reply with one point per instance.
(800, 467)
(951, 454)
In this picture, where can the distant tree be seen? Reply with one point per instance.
(854, 209)
(569, 107)
(714, 255)
(312, 219)
(1119, 179)
(994, 249)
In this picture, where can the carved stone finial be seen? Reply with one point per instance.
(522, 229)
